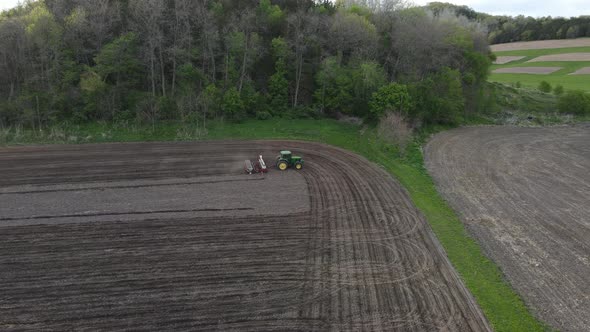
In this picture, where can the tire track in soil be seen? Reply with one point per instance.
(524, 194)
(362, 258)
(110, 214)
(149, 185)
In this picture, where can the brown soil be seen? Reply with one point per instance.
(582, 71)
(134, 199)
(501, 60)
(158, 236)
(524, 193)
(527, 70)
(541, 44)
(562, 57)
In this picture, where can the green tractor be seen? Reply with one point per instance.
(286, 160)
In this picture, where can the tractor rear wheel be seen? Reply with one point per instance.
(282, 165)
(298, 166)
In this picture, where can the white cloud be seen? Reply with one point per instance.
(535, 8)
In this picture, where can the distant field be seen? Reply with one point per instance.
(575, 57)
(527, 70)
(504, 59)
(541, 44)
(559, 77)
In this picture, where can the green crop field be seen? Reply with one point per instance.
(560, 77)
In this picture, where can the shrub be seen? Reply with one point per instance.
(263, 115)
(123, 116)
(574, 102)
(303, 112)
(558, 90)
(394, 129)
(545, 87)
(393, 97)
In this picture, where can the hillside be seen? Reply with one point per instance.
(156, 60)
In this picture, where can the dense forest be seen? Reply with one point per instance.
(507, 29)
(151, 60)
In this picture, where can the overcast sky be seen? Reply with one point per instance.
(5, 4)
(535, 8)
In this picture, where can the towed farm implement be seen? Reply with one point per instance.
(284, 161)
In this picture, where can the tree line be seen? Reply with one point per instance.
(507, 29)
(504, 29)
(196, 60)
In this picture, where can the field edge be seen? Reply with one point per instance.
(502, 306)
(468, 167)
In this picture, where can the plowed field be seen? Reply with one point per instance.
(527, 70)
(524, 193)
(172, 236)
(541, 44)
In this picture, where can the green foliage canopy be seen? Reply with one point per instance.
(393, 97)
(147, 60)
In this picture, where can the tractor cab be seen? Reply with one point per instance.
(286, 160)
(286, 155)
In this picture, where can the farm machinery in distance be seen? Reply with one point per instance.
(284, 160)
(259, 166)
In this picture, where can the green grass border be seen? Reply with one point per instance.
(504, 309)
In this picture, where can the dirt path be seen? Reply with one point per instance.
(358, 256)
(524, 193)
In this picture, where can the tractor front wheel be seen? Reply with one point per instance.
(298, 166)
(282, 165)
